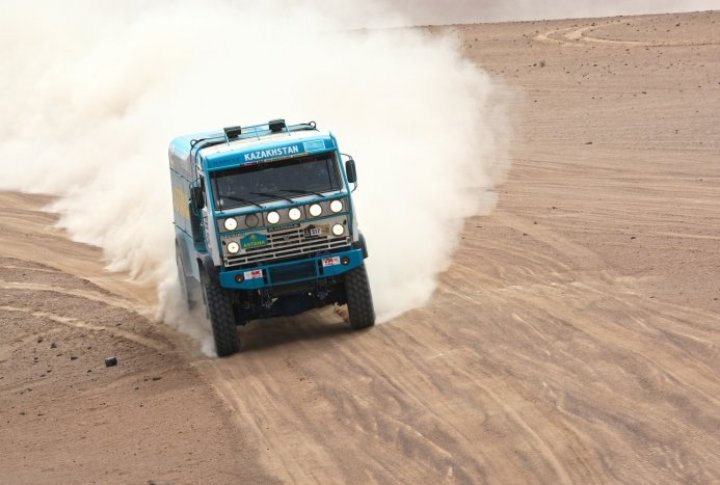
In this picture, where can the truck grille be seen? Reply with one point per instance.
(287, 244)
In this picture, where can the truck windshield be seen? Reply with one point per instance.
(265, 182)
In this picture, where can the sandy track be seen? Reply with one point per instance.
(679, 31)
(574, 339)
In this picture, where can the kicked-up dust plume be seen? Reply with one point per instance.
(91, 93)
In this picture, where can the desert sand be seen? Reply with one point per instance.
(574, 339)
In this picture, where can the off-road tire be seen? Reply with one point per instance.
(361, 311)
(219, 310)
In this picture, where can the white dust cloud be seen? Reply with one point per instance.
(91, 94)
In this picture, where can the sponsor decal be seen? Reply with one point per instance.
(180, 202)
(314, 145)
(253, 274)
(334, 261)
(282, 227)
(253, 241)
(272, 153)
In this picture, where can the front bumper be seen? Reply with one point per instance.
(289, 272)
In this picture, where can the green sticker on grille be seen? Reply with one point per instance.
(253, 241)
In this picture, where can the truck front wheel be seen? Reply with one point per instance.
(219, 309)
(361, 311)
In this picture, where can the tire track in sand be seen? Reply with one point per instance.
(575, 36)
(81, 324)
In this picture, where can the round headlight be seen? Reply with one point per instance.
(233, 247)
(273, 217)
(315, 210)
(294, 214)
(252, 220)
(338, 229)
(230, 224)
(336, 205)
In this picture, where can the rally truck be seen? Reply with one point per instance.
(265, 226)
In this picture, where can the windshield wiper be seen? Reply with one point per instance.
(301, 191)
(268, 194)
(240, 199)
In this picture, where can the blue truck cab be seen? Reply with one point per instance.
(265, 226)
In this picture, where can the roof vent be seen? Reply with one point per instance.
(232, 132)
(277, 126)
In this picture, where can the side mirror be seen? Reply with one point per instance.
(351, 171)
(197, 197)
